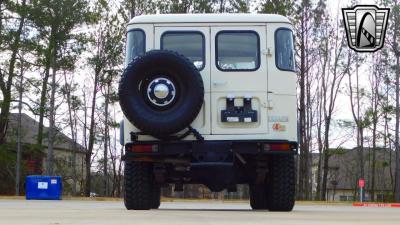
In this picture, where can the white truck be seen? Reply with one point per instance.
(209, 99)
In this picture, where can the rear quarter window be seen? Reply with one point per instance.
(284, 50)
(136, 44)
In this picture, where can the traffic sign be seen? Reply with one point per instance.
(361, 183)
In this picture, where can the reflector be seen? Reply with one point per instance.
(278, 147)
(142, 148)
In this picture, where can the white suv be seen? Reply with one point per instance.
(210, 99)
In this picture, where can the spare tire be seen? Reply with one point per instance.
(161, 92)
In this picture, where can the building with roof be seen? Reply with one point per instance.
(343, 173)
(34, 156)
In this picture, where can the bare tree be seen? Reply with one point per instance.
(107, 56)
(331, 84)
(72, 107)
(356, 95)
(52, 118)
(19, 130)
(374, 113)
(106, 95)
(396, 51)
(303, 31)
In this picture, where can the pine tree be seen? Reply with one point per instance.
(56, 33)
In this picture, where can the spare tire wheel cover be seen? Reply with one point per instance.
(161, 92)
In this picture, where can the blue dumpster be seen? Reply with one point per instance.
(43, 187)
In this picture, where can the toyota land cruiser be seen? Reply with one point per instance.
(209, 99)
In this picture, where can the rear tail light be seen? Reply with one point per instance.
(277, 147)
(144, 148)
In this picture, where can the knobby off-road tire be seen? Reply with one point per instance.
(258, 196)
(281, 185)
(164, 116)
(139, 186)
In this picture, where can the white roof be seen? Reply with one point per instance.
(210, 18)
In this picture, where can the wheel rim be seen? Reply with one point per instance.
(161, 92)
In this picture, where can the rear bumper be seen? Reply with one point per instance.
(160, 149)
(217, 164)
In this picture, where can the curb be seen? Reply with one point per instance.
(387, 205)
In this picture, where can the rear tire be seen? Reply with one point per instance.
(281, 191)
(258, 196)
(138, 185)
(156, 196)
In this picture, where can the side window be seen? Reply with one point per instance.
(188, 43)
(237, 50)
(284, 52)
(136, 44)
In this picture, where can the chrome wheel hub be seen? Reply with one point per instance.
(161, 91)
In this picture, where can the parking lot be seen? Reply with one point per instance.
(74, 212)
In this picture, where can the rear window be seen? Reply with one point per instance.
(187, 43)
(136, 44)
(237, 50)
(284, 53)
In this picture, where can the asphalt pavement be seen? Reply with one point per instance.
(77, 212)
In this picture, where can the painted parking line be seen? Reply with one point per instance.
(362, 204)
